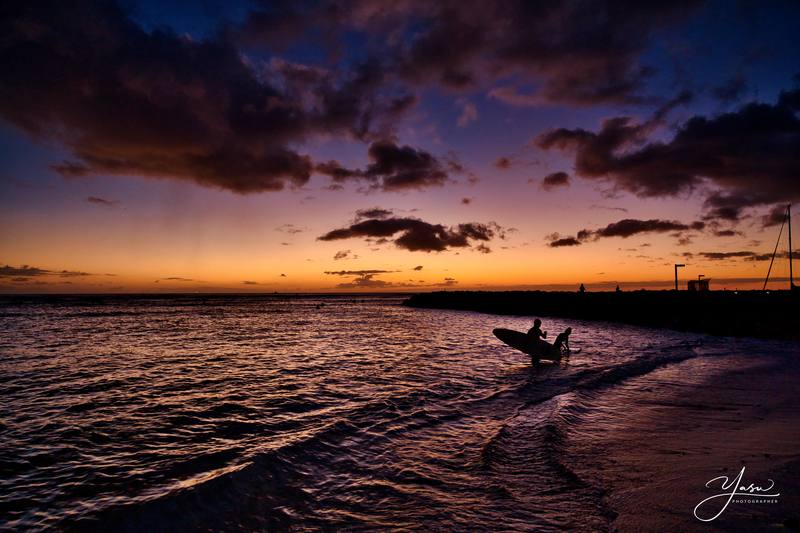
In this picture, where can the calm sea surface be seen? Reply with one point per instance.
(258, 412)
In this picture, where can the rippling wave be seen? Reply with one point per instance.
(243, 412)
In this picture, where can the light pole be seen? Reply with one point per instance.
(677, 266)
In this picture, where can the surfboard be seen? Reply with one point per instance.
(519, 341)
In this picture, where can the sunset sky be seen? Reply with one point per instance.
(150, 146)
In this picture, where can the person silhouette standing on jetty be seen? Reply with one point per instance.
(582, 289)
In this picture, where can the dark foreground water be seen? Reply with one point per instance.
(254, 413)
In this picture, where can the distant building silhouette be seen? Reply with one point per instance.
(698, 285)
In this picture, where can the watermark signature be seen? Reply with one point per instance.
(733, 490)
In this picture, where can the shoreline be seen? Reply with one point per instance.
(766, 315)
(710, 422)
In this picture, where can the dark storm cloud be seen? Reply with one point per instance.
(392, 168)
(625, 228)
(768, 256)
(276, 24)
(29, 271)
(555, 180)
(366, 279)
(717, 232)
(575, 52)
(337, 172)
(357, 272)
(746, 255)
(126, 101)
(361, 279)
(101, 201)
(373, 212)
(608, 208)
(503, 163)
(719, 256)
(417, 235)
(24, 270)
(343, 254)
(366, 282)
(291, 229)
(583, 52)
(71, 274)
(751, 155)
(564, 241)
(629, 226)
(728, 207)
(775, 217)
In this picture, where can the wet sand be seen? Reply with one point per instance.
(691, 422)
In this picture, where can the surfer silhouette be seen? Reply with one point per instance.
(533, 344)
(536, 333)
(561, 343)
(536, 343)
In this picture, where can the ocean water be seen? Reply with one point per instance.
(269, 413)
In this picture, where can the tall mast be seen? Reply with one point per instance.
(789, 220)
(774, 253)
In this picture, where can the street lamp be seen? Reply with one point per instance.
(677, 266)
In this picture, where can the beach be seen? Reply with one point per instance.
(179, 413)
(688, 423)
